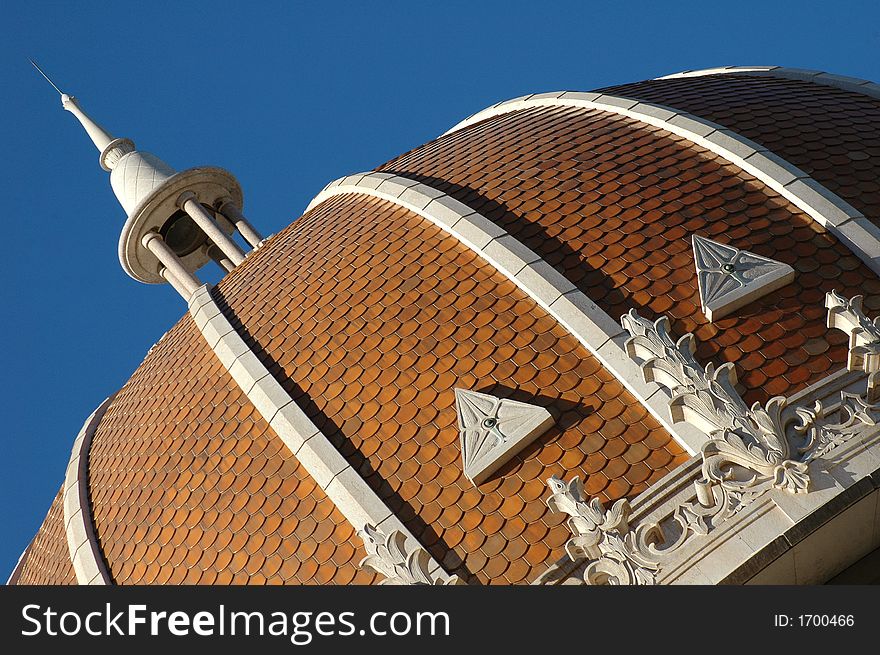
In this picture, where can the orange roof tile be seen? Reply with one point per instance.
(632, 195)
(47, 559)
(831, 134)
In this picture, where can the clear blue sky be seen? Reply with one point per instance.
(287, 96)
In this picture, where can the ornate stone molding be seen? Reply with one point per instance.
(741, 437)
(864, 337)
(603, 537)
(616, 552)
(387, 555)
(823, 436)
(754, 452)
(492, 430)
(730, 278)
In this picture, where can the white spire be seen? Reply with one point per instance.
(99, 136)
(133, 175)
(177, 222)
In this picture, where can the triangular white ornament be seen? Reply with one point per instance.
(492, 430)
(730, 278)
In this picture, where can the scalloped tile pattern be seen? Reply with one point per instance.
(612, 203)
(371, 316)
(47, 561)
(831, 134)
(190, 486)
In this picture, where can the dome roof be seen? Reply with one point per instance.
(370, 317)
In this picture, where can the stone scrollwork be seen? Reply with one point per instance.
(618, 553)
(387, 555)
(864, 337)
(750, 450)
(601, 536)
(821, 437)
(748, 446)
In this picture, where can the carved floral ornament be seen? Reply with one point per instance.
(750, 449)
(864, 337)
(388, 556)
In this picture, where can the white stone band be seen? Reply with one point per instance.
(357, 502)
(85, 552)
(16, 572)
(854, 84)
(600, 334)
(828, 209)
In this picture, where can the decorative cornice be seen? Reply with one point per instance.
(864, 337)
(753, 452)
(610, 549)
(828, 209)
(600, 334)
(388, 555)
(749, 437)
(82, 542)
(854, 84)
(343, 485)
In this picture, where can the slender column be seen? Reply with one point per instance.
(217, 255)
(153, 242)
(174, 282)
(233, 212)
(204, 220)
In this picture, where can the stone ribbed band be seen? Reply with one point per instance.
(352, 496)
(854, 84)
(16, 572)
(85, 552)
(825, 207)
(600, 334)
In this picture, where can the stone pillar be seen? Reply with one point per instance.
(179, 286)
(217, 255)
(204, 220)
(232, 211)
(186, 282)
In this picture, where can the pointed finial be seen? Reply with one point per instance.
(54, 86)
(99, 136)
(154, 195)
